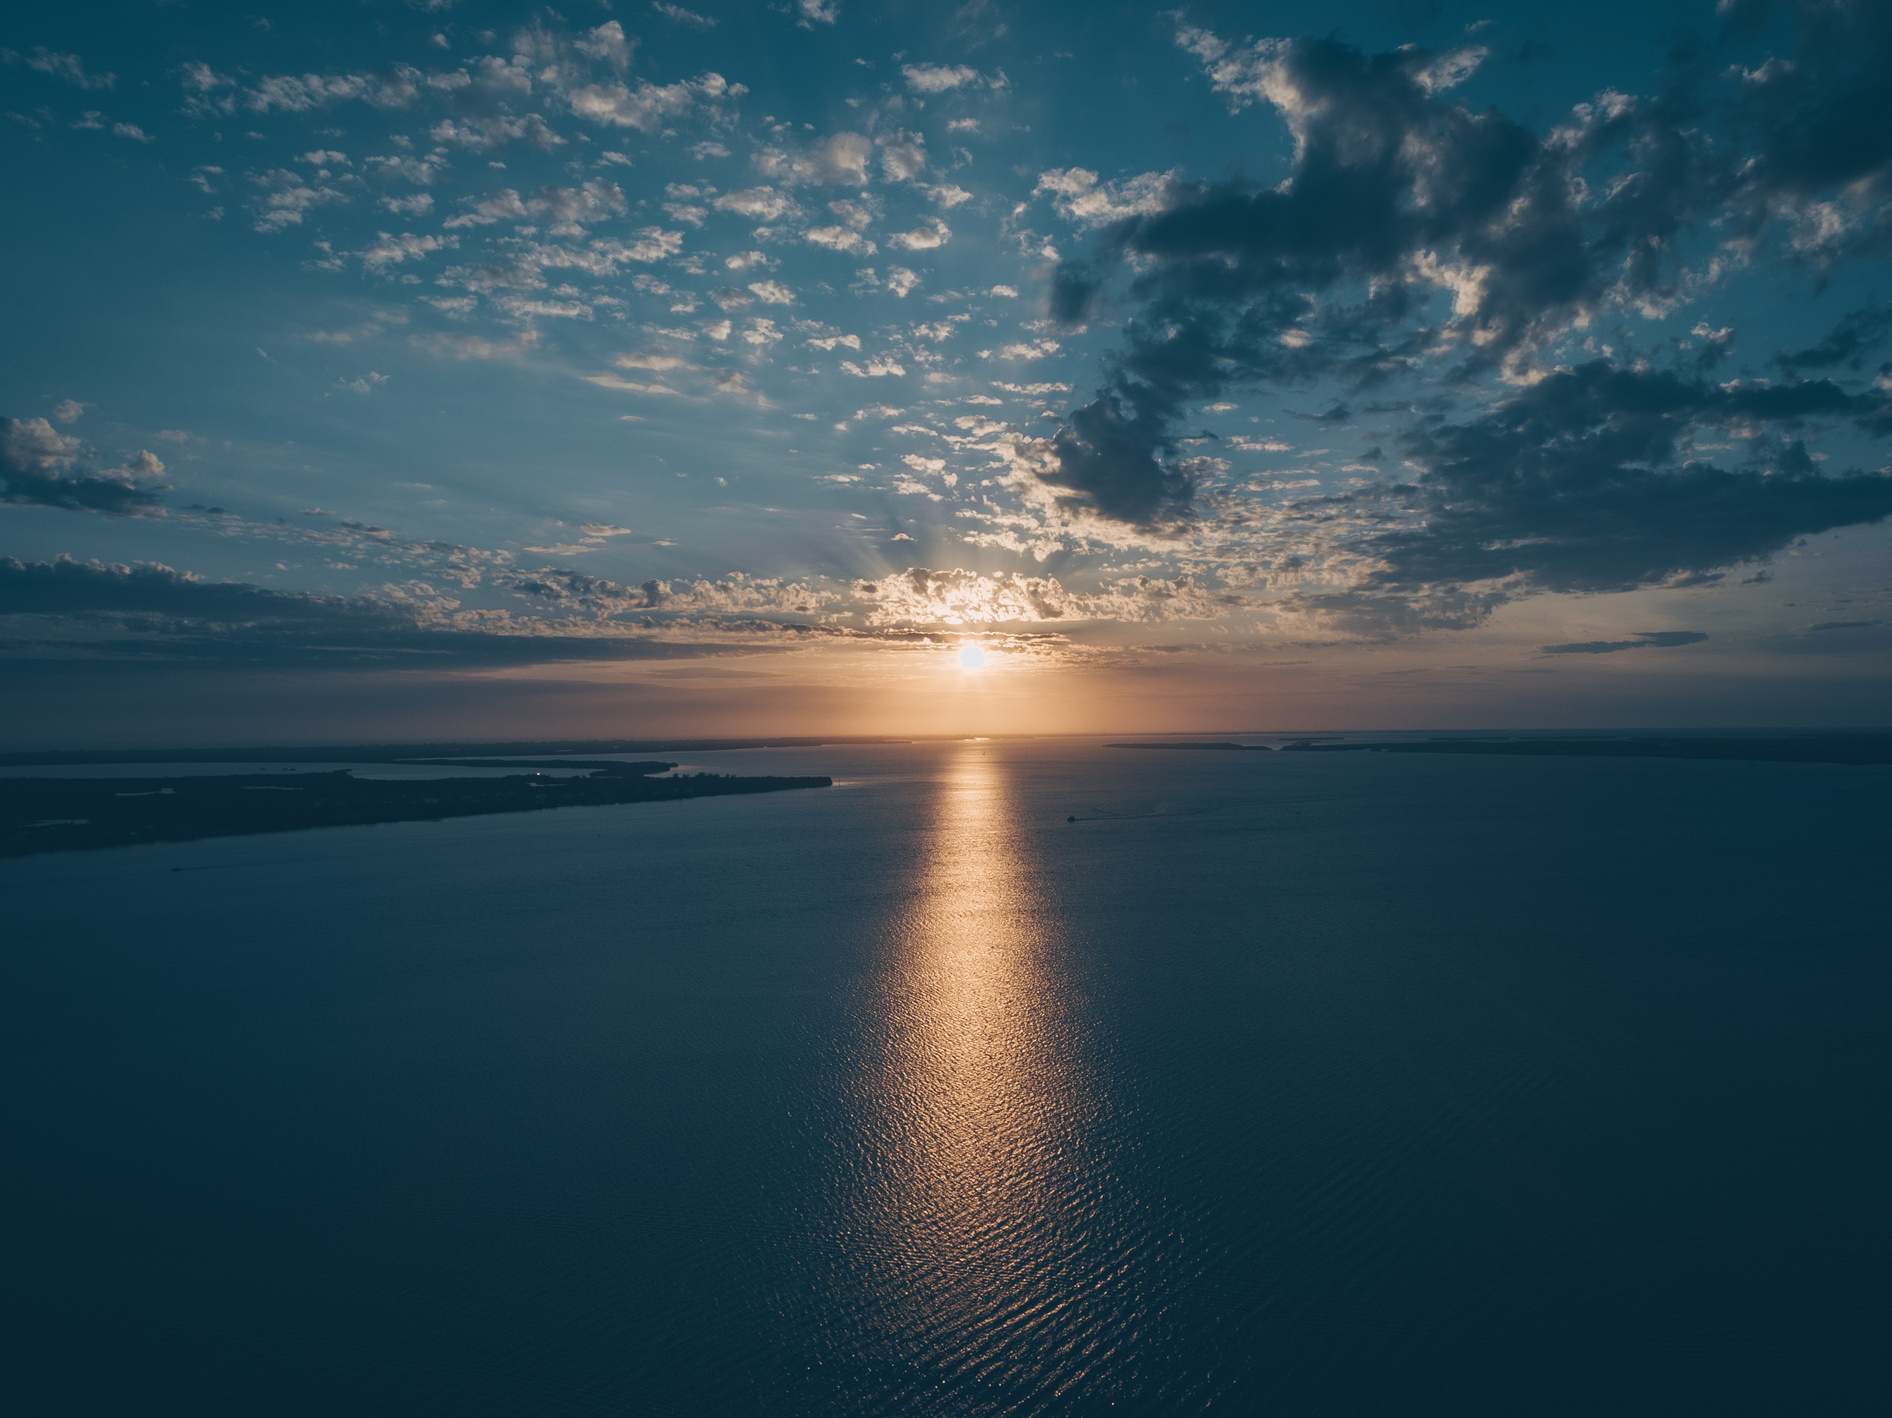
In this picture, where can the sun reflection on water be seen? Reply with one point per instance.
(978, 1197)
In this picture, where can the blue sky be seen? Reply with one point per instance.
(1437, 363)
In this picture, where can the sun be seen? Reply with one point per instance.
(971, 657)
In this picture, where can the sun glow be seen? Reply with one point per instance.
(972, 657)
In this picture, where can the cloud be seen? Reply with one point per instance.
(286, 197)
(1645, 639)
(1813, 147)
(762, 204)
(452, 346)
(1413, 233)
(1109, 458)
(1582, 482)
(1081, 198)
(817, 12)
(154, 614)
(38, 466)
(1847, 344)
(920, 595)
(490, 133)
(840, 159)
(930, 233)
(939, 78)
(385, 250)
(648, 107)
(65, 66)
(840, 238)
(903, 159)
(393, 88)
(68, 410)
(676, 14)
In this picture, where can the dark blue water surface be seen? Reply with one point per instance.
(1278, 1083)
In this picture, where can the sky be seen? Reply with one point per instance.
(422, 367)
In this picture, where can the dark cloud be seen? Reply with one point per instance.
(1847, 344)
(92, 610)
(1583, 482)
(38, 466)
(1815, 132)
(1114, 455)
(1395, 192)
(1400, 200)
(1645, 639)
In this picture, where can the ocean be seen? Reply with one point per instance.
(1275, 1083)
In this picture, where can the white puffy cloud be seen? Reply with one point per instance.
(34, 443)
(763, 204)
(652, 244)
(939, 78)
(772, 292)
(396, 87)
(840, 238)
(569, 208)
(419, 171)
(485, 134)
(1025, 350)
(607, 43)
(286, 197)
(683, 202)
(840, 159)
(419, 205)
(1080, 197)
(878, 367)
(649, 106)
(920, 595)
(928, 234)
(902, 156)
(501, 206)
(385, 250)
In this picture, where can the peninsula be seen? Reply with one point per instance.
(65, 814)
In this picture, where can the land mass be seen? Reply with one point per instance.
(407, 752)
(1222, 747)
(67, 814)
(1856, 749)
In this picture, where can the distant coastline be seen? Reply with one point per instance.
(74, 814)
(1857, 749)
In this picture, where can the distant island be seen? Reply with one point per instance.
(66, 814)
(1221, 747)
(1856, 749)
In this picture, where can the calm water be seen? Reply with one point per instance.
(1296, 1084)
